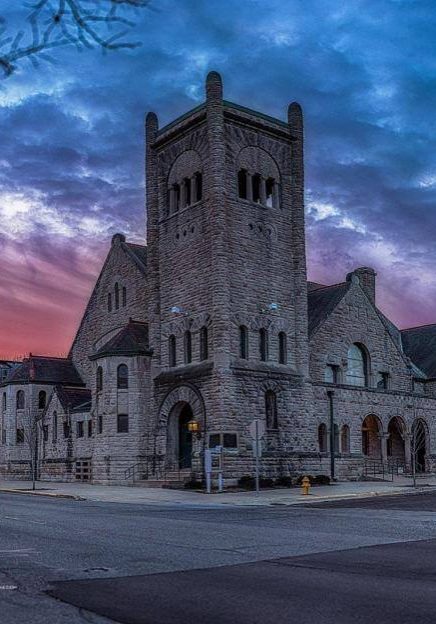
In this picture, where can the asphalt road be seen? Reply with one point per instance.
(79, 561)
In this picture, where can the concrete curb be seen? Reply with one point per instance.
(39, 493)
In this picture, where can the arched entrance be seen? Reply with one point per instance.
(371, 439)
(179, 439)
(396, 450)
(418, 444)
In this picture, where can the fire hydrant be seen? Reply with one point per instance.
(305, 485)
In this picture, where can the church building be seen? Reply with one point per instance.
(186, 341)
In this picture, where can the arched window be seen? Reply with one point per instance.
(124, 296)
(283, 348)
(322, 438)
(357, 366)
(345, 439)
(331, 373)
(42, 399)
(20, 399)
(371, 440)
(243, 342)
(117, 296)
(55, 427)
(187, 340)
(109, 302)
(204, 347)
(172, 350)
(122, 377)
(255, 185)
(99, 379)
(198, 186)
(263, 344)
(242, 184)
(271, 409)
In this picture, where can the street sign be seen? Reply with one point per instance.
(258, 431)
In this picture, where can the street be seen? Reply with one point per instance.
(369, 560)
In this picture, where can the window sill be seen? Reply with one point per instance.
(181, 211)
(253, 203)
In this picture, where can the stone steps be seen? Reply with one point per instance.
(174, 478)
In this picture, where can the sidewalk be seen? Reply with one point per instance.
(157, 496)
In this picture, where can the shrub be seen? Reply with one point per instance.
(321, 480)
(284, 481)
(266, 482)
(247, 482)
(193, 484)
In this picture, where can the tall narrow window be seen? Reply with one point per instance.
(4, 402)
(336, 439)
(357, 366)
(269, 188)
(176, 191)
(283, 348)
(20, 400)
(122, 377)
(42, 399)
(322, 438)
(99, 379)
(271, 409)
(345, 440)
(198, 186)
(255, 182)
(243, 342)
(188, 347)
(100, 423)
(54, 431)
(331, 373)
(109, 302)
(263, 344)
(124, 296)
(117, 296)
(204, 347)
(187, 198)
(172, 350)
(66, 429)
(242, 184)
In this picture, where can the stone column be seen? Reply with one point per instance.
(276, 195)
(249, 187)
(384, 446)
(183, 194)
(263, 191)
(172, 200)
(407, 449)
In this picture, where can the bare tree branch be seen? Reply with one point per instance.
(53, 24)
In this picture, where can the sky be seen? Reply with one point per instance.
(72, 150)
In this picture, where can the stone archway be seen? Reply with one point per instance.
(419, 444)
(180, 405)
(396, 449)
(371, 437)
(179, 438)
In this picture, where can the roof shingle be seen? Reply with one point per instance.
(420, 345)
(130, 340)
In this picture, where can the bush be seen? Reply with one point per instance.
(321, 480)
(266, 482)
(193, 484)
(284, 481)
(247, 482)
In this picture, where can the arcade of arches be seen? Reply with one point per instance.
(397, 445)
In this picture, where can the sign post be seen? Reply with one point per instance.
(257, 431)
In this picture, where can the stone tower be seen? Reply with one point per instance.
(227, 280)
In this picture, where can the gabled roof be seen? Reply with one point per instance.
(130, 340)
(44, 370)
(322, 301)
(420, 345)
(314, 286)
(139, 254)
(74, 399)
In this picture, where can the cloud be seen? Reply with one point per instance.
(72, 158)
